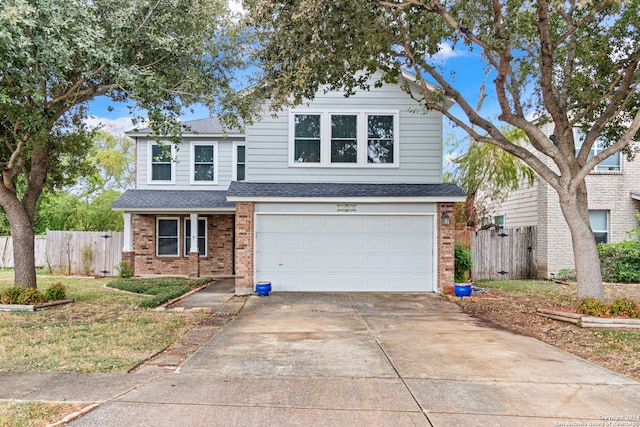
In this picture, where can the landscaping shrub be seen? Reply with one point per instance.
(10, 295)
(30, 296)
(55, 292)
(593, 307)
(620, 262)
(462, 262)
(163, 289)
(625, 307)
(124, 270)
(567, 274)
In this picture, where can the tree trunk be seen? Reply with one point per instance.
(585, 252)
(24, 260)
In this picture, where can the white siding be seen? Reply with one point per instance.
(420, 143)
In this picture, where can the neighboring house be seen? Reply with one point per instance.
(341, 194)
(614, 200)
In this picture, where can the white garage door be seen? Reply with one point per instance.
(345, 252)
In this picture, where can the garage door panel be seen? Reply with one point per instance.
(345, 252)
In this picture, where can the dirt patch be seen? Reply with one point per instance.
(616, 349)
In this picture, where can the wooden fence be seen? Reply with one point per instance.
(73, 252)
(504, 254)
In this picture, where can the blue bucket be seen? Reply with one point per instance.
(263, 288)
(462, 290)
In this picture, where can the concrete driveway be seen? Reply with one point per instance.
(372, 360)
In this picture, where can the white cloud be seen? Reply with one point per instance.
(446, 51)
(116, 126)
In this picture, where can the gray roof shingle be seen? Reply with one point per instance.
(206, 126)
(173, 199)
(263, 189)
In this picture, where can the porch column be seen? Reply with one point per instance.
(128, 255)
(194, 254)
(446, 237)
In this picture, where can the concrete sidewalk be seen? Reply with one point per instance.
(360, 360)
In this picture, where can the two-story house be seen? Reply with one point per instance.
(614, 200)
(339, 194)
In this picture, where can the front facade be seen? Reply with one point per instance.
(341, 194)
(614, 200)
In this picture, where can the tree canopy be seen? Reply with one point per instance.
(552, 65)
(161, 56)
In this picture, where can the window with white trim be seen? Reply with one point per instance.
(202, 236)
(599, 220)
(239, 162)
(343, 138)
(204, 163)
(167, 237)
(161, 163)
(610, 164)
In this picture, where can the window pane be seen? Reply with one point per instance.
(601, 237)
(168, 246)
(380, 139)
(160, 154)
(202, 249)
(307, 151)
(161, 172)
(203, 173)
(240, 153)
(344, 126)
(168, 227)
(240, 173)
(344, 151)
(307, 126)
(203, 153)
(598, 220)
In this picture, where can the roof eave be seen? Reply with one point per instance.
(336, 199)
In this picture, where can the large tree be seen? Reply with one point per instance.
(160, 56)
(570, 63)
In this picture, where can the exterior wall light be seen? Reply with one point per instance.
(445, 218)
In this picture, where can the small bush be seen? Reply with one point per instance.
(163, 289)
(10, 295)
(620, 262)
(593, 307)
(462, 262)
(30, 296)
(55, 292)
(625, 307)
(124, 270)
(568, 274)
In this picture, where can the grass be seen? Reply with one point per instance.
(103, 331)
(34, 414)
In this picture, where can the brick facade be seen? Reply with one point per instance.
(220, 248)
(245, 213)
(446, 237)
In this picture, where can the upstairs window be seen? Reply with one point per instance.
(307, 138)
(610, 164)
(204, 168)
(239, 162)
(344, 139)
(161, 163)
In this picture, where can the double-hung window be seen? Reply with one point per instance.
(344, 138)
(167, 240)
(202, 236)
(610, 164)
(161, 163)
(599, 220)
(204, 167)
(239, 162)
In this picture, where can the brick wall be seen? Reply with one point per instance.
(445, 246)
(245, 213)
(220, 246)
